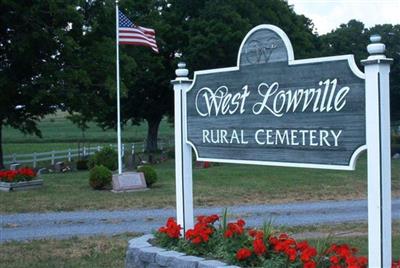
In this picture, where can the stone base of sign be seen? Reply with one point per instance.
(128, 181)
(20, 186)
(141, 253)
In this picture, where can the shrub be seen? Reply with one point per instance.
(106, 157)
(82, 164)
(149, 174)
(100, 177)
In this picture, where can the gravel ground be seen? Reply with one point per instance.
(27, 226)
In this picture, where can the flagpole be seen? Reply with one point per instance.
(118, 93)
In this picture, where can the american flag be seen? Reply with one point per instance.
(132, 34)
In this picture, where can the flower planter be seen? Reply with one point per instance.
(21, 185)
(141, 254)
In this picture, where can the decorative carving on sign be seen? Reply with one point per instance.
(257, 51)
(271, 109)
(262, 47)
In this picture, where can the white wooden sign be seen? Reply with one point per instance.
(274, 110)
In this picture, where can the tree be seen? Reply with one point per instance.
(33, 38)
(350, 38)
(145, 92)
(214, 30)
(353, 38)
(208, 33)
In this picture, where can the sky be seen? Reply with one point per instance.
(329, 14)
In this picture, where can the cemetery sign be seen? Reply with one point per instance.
(274, 110)
(271, 109)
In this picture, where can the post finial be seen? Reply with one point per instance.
(181, 72)
(376, 48)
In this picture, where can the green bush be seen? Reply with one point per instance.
(100, 177)
(106, 157)
(149, 174)
(82, 164)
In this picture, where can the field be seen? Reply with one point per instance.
(59, 133)
(220, 185)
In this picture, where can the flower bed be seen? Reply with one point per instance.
(212, 237)
(20, 179)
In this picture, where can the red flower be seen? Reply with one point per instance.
(228, 233)
(20, 174)
(172, 229)
(337, 256)
(310, 264)
(396, 264)
(307, 254)
(283, 236)
(283, 244)
(200, 233)
(256, 234)
(208, 220)
(242, 254)
(196, 240)
(273, 240)
(259, 247)
(334, 259)
(343, 255)
(292, 254)
(235, 228)
(302, 245)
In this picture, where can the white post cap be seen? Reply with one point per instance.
(181, 72)
(376, 49)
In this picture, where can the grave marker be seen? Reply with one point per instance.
(128, 181)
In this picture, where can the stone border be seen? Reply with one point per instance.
(20, 185)
(141, 254)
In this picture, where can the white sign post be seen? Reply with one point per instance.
(377, 68)
(183, 152)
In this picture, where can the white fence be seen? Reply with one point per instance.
(69, 154)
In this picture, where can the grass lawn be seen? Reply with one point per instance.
(100, 251)
(219, 185)
(355, 234)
